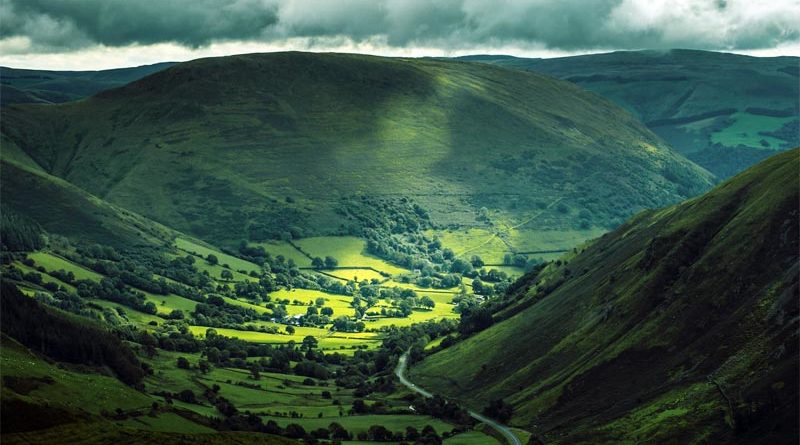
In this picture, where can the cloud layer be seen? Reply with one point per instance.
(47, 26)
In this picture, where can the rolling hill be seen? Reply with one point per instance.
(679, 326)
(22, 86)
(251, 146)
(724, 111)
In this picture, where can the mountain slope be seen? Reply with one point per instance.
(61, 208)
(681, 325)
(252, 145)
(21, 86)
(724, 111)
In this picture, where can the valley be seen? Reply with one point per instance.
(328, 248)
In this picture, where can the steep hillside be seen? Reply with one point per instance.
(22, 86)
(252, 145)
(724, 111)
(61, 208)
(679, 326)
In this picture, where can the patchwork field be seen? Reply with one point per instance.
(328, 340)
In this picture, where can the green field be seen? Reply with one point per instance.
(474, 241)
(420, 289)
(746, 127)
(168, 303)
(45, 277)
(244, 303)
(328, 340)
(215, 272)
(471, 438)
(349, 251)
(511, 271)
(492, 246)
(527, 240)
(198, 249)
(339, 303)
(282, 248)
(356, 275)
(52, 263)
(357, 424)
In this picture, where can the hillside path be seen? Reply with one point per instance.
(400, 371)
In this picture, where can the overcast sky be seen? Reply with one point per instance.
(97, 34)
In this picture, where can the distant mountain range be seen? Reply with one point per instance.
(724, 111)
(22, 86)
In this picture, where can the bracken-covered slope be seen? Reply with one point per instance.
(251, 145)
(724, 111)
(681, 326)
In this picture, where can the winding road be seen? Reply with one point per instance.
(400, 371)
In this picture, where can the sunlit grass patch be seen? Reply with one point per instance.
(348, 250)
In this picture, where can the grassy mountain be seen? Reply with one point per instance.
(254, 145)
(62, 208)
(22, 86)
(679, 326)
(724, 111)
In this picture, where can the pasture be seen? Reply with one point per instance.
(286, 250)
(745, 131)
(168, 303)
(52, 262)
(350, 251)
(356, 424)
(235, 263)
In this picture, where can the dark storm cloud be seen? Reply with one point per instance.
(445, 24)
(77, 23)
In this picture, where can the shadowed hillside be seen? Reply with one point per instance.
(724, 111)
(61, 208)
(681, 325)
(250, 146)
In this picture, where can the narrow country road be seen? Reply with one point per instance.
(400, 371)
